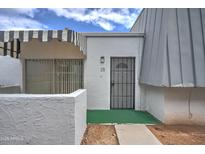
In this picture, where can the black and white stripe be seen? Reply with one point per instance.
(44, 36)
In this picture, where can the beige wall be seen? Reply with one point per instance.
(50, 50)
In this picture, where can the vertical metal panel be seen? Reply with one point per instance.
(53, 75)
(173, 46)
(202, 14)
(167, 68)
(156, 37)
(145, 49)
(150, 45)
(185, 46)
(161, 56)
(173, 54)
(122, 86)
(198, 46)
(140, 25)
(143, 22)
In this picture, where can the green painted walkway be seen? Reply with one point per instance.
(120, 117)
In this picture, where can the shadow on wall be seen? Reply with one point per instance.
(10, 89)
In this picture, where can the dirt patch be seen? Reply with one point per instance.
(179, 134)
(100, 134)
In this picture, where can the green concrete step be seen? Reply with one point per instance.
(120, 117)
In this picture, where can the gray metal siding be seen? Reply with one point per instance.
(185, 46)
(174, 47)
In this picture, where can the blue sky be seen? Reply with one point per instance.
(78, 19)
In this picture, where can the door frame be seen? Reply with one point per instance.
(111, 57)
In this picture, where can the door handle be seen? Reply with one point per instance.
(112, 84)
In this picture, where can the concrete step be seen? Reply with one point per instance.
(135, 134)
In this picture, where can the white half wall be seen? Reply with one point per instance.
(42, 119)
(96, 81)
(80, 99)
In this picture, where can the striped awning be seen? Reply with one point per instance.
(45, 35)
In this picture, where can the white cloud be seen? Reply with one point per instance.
(26, 11)
(105, 25)
(108, 19)
(105, 18)
(19, 19)
(19, 23)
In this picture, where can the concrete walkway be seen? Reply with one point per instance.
(135, 134)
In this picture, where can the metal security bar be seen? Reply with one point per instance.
(53, 76)
(122, 83)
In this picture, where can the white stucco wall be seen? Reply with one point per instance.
(80, 114)
(96, 82)
(152, 99)
(178, 110)
(171, 105)
(42, 119)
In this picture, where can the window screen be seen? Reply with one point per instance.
(53, 76)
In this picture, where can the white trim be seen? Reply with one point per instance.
(106, 34)
(64, 35)
(45, 36)
(6, 36)
(55, 34)
(35, 34)
(16, 34)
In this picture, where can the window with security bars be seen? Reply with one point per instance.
(53, 76)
